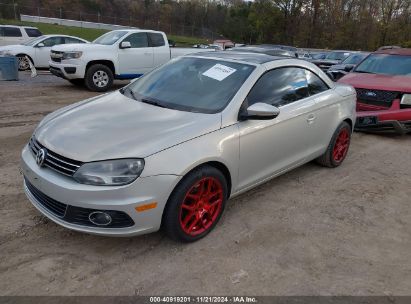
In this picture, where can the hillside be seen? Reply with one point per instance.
(91, 34)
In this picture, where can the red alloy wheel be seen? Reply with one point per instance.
(341, 145)
(201, 206)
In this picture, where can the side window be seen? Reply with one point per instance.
(12, 32)
(32, 32)
(279, 87)
(156, 39)
(72, 40)
(138, 40)
(53, 41)
(315, 84)
(1, 32)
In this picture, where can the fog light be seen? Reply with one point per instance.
(100, 218)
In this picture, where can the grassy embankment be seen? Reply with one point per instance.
(91, 34)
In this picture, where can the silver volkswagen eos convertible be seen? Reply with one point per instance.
(172, 147)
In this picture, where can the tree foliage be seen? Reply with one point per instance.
(342, 24)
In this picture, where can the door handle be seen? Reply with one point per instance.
(311, 118)
(147, 54)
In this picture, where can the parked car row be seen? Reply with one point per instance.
(381, 78)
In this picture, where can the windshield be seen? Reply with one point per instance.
(354, 59)
(110, 38)
(191, 84)
(318, 56)
(386, 64)
(33, 41)
(337, 56)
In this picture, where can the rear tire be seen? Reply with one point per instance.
(77, 82)
(99, 78)
(338, 148)
(196, 205)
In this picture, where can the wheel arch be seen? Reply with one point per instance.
(219, 165)
(108, 63)
(23, 54)
(350, 122)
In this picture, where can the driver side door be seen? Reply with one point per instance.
(270, 147)
(136, 59)
(42, 52)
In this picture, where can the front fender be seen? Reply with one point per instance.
(219, 146)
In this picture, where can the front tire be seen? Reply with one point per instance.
(338, 148)
(99, 78)
(24, 62)
(196, 205)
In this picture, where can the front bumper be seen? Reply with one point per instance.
(68, 69)
(392, 120)
(124, 199)
(387, 126)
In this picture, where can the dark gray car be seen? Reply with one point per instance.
(339, 70)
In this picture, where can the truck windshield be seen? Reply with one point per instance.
(386, 64)
(110, 38)
(191, 84)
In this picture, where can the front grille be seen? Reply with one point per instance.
(55, 161)
(77, 215)
(55, 207)
(377, 97)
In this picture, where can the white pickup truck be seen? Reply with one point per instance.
(119, 54)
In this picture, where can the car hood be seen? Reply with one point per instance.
(15, 48)
(378, 82)
(75, 47)
(115, 126)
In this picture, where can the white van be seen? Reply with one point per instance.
(12, 34)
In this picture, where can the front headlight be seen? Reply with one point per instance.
(72, 55)
(406, 99)
(110, 172)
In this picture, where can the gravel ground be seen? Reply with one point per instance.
(313, 231)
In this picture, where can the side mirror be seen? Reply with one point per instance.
(125, 45)
(348, 68)
(41, 44)
(260, 111)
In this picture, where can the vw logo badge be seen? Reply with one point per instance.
(41, 157)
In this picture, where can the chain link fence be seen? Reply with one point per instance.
(13, 11)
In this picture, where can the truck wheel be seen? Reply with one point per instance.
(196, 205)
(338, 148)
(99, 78)
(77, 82)
(24, 63)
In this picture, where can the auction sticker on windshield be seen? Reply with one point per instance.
(219, 72)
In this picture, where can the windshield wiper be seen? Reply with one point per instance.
(152, 102)
(145, 100)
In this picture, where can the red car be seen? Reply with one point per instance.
(383, 84)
